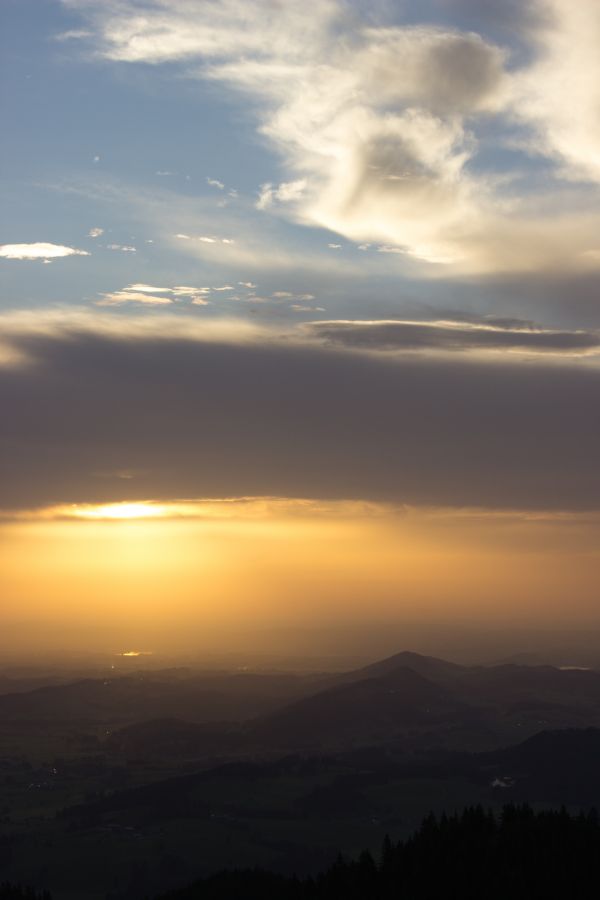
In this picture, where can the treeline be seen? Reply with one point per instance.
(14, 892)
(519, 854)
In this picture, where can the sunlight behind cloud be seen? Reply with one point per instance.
(117, 511)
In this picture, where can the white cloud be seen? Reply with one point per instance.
(39, 250)
(377, 126)
(118, 298)
(560, 92)
(183, 290)
(287, 192)
(214, 182)
(95, 232)
(150, 295)
(123, 248)
(148, 289)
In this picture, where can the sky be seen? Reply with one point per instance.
(299, 319)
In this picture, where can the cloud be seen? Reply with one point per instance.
(168, 396)
(95, 232)
(123, 248)
(384, 130)
(560, 92)
(148, 289)
(214, 182)
(118, 298)
(182, 290)
(482, 335)
(151, 295)
(74, 34)
(39, 250)
(287, 192)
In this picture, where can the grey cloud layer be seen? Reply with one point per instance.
(490, 334)
(276, 417)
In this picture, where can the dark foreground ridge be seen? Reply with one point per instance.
(14, 892)
(520, 854)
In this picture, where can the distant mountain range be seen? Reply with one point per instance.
(205, 772)
(414, 703)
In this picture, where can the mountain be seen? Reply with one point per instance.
(398, 706)
(423, 703)
(407, 701)
(439, 671)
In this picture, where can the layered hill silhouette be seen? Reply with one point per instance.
(315, 766)
(556, 767)
(174, 693)
(412, 702)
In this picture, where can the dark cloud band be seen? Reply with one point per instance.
(191, 418)
(497, 334)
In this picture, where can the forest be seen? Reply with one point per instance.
(519, 854)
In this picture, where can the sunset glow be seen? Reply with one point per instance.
(299, 449)
(316, 339)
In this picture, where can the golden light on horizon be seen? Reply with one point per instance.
(135, 574)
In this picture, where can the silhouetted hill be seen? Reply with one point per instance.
(438, 670)
(395, 706)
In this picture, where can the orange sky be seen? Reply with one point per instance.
(195, 573)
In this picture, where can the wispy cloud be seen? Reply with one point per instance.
(481, 335)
